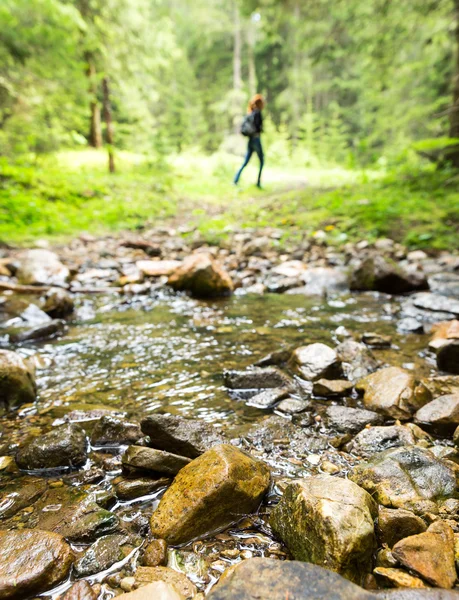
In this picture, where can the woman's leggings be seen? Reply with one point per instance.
(254, 146)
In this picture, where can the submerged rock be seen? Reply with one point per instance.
(185, 437)
(265, 578)
(42, 267)
(316, 361)
(50, 329)
(395, 524)
(155, 554)
(101, 555)
(139, 458)
(17, 381)
(112, 430)
(66, 446)
(411, 478)
(202, 276)
(128, 489)
(18, 495)
(211, 492)
(328, 521)
(31, 562)
(393, 392)
(430, 555)
(256, 379)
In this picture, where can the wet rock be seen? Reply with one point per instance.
(345, 419)
(139, 458)
(396, 524)
(66, 446)
(256, 379)
(430, 555)
(158, 268)
(51, 329)
(316, 361)
(101, 555)
(157, 591)
(155, 554)
(327, 521)
(258, 578)
(410, 325)
(185, 437)
(393, 392)
(210, 493)
(332, 388)
(58, 303)
(322, 281)
(178, 581)
(16, 496)
(442, 385)
(112, 430)
(32, 562)
(384, 275)
(17, 381)
(129, 489)
(411, 478)
(293, 406)
(41, 267)
(398, 578)
(202, 276)
(268, 398)
(384, 558)
(436, 303)
(448, 358)
(442, 412)
(375, 340)
(377, 439)
(81, 590)
(357, 361)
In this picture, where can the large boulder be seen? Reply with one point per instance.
(42, 267)
(393, 392)
(430, 555)
(31, 562)
(411, 478)
(265, 578)
(178, 435)
(316, 361)
(384, 275)
(442, 412)
(66, 446)
(17, 381)
(211, 492)
(202, 276)
(328, 521)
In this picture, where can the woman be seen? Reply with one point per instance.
(256, 105)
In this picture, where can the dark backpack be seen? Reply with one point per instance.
(248, 127)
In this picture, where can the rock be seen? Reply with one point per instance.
(384, 275)
(58, 303)
(322, 281)
(293, 406)
(393, 392)
(375, 340)
(430, 555)
(330, 388)
(112, 430)
(185, 437)
(65, 446)
(202, 276)
(290, 268)
(105, 552)
(327, 521)
(444, 331)
(316, 361)
(155, 554)
(442, 385)
(396, 524)
(441, 412)
(357, 361)
(377, 439)
(17, 381)
(417, 594)
(32, 562)
(129, 489)
(139, 458)
(178, 581)
(51, 329)
(265, 578)
(210, 493)
(18, 495)
(410, 325)
(344, 419)
(148, 247)
(411, 478)
(157, 268)
(268, 398)
(41, 267)
(155, 591)
(436, 303)
(81, 590)
(256, 378)
(446, 284)
(448, 358)
(399, 578)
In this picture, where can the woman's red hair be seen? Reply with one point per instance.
(256, 102)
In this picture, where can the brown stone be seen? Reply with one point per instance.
(202, 276)
(155, 554)
(443, 411)
(396, 524)
(155, 591)
(81, 590)
(430, 555)
(179, 581)
(17, 381)
(399, 578)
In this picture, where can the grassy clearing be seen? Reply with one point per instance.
(64, 194)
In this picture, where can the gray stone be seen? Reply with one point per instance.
(139, 458)
(256, 378)
(357, 361)
(441, 412)
(436, 303)
(378, 439)
(316, 361)
(101, 555)
(384, 275)
(51, 329)
(344, 419)
(112, 430)
(41, 267)
(268, 398)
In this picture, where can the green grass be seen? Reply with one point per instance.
(62, 195)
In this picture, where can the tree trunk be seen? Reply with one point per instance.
(454, 115)
(109, 124)
(237, 67)
(95, 128)
(251, 57)
(296, 73)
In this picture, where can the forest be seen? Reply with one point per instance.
(362, 100)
